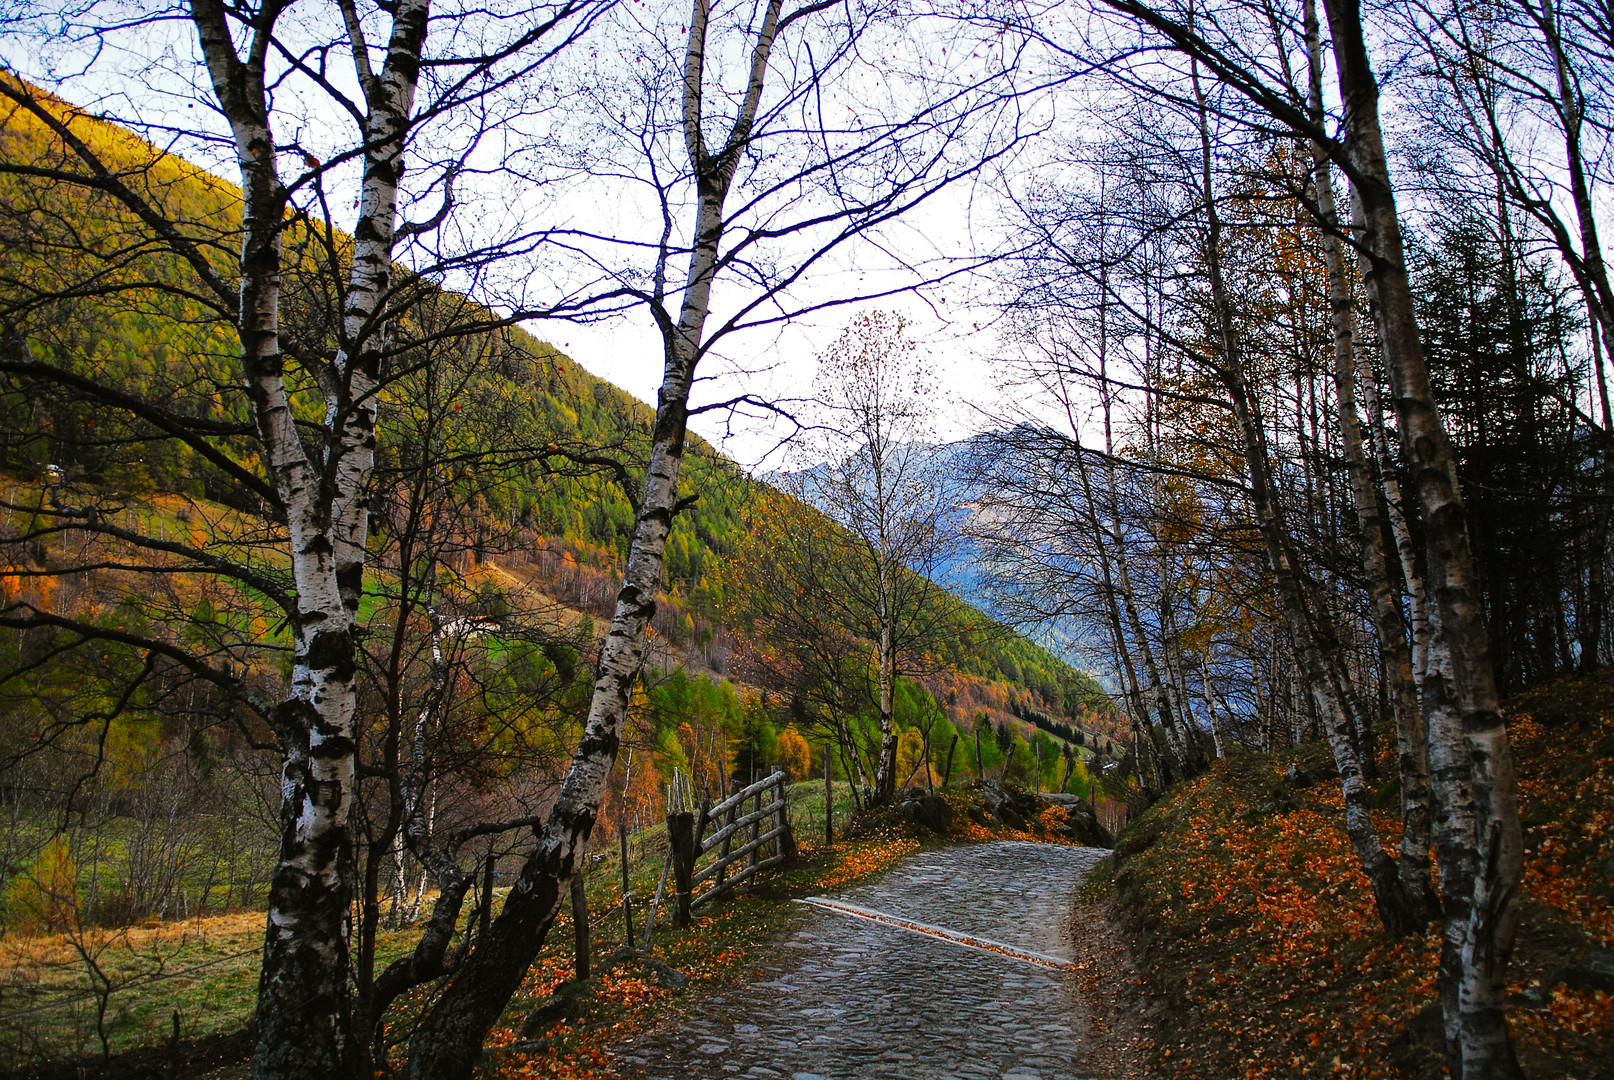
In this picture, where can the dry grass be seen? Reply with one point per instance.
(205, 969)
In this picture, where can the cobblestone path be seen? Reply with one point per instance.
(853, 998)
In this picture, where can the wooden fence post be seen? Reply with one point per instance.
(627, 898)
(785, 847)
(756, 831)
(829, 801)
(172, 1070)
(723, 852)
(681, 842)
(655, 904)
(580, 921)
(484, 914)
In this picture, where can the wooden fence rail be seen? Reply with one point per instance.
(730, 817)
(739, 835)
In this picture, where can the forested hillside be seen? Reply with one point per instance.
(560, 433)
(503, 507)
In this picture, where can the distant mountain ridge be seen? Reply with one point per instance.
(965, 567)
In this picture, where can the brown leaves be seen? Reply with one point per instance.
(1258, 926)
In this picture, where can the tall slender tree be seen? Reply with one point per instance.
(307, 457)
(882, 481)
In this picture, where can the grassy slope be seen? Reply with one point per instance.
(1243, 906)
(47, 1012)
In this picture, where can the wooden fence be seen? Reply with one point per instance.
(731, 817)
(750, 826)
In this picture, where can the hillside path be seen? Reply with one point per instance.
(851, 996)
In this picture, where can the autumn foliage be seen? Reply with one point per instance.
(1253, 922)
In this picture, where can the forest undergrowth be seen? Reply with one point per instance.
(1261, 954)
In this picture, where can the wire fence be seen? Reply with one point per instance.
(113, 1000)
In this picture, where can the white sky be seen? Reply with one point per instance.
(153, 75)
(627, 352)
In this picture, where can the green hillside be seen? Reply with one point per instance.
(535, 423)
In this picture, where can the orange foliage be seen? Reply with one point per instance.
(1264, 937)
(793, 754)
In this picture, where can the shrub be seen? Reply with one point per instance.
(793, 754)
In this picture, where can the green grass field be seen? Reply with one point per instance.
(206, 969)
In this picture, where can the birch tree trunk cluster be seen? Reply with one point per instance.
(1203, 278)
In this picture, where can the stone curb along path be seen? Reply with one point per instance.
(955, 964)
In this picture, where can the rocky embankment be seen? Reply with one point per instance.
(990, 804)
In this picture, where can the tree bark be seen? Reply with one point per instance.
(304, 1011)
(1388, 623)
(1406, 550)
(1210, 706)
(305, 1007)
(1460, 702)
(885, 772)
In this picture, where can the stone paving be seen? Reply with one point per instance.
(850, 998)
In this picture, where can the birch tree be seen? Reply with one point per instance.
(1390, 625)
(1312, 640)
(752, 187)
(302, 443)
(1481, 873)
(881, 481)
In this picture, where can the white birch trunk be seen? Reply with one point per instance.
(304, 1013)
(1460, 702)
(1388, 624)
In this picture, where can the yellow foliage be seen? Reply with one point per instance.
(910, 751)
(46, 896)
(795, 757)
